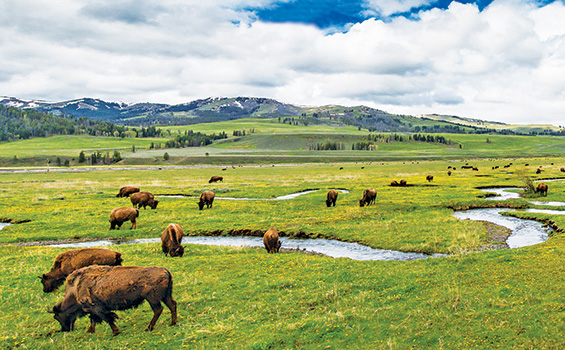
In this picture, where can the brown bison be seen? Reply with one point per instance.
(216, 178)
(71, 260)
(369, 197)
(563, 170)
(119, 215)
(144, 199)
(393, 183)
(402, 182)
(538, 171)
(429, 178)
(207, 197)
(171, 240)
(449, 173)
(271, 241)
(332, 198)
(542, 189)
(126, 191)
(99, 290)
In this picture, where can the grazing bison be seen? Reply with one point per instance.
(271, 241)
(119, 215)
(449, 173)
(538, 171)
(207, 197)
(402, 182)
(126, 191)
(332, 198)
(71, 260)
(369, 197)
(393, 183)
(563, 170)
(144, 199)
(216, 179)
(429, 178)
(542, 189)
(99, 290)
(171, 240)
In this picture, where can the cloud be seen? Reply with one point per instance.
(504, 62)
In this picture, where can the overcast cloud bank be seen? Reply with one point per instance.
(504, 63)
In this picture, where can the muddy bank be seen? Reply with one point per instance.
(13, 221)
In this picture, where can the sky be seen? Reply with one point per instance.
(501, 60)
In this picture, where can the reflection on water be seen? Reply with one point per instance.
(3, 224)
(280, 198)
(333, 248)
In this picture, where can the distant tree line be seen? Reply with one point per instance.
(98, 157)
(194, 139)
(327, 146)
(431, 139)
(243, 132)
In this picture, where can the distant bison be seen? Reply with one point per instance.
(402, 182)
(126, 191)
(216, 178)
(171, 240)
(143, 199)
(393, 183)
(119, 215)
(449, 173)
(538, 171)
(429, 178)
(331, 198)
(271, 241)
(542, 189)
(99, 290)
(368, 198)
(71, 260)
(206, 198)
(563, 170)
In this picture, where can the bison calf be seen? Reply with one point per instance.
(126, 191)
(216, 178)
(69, 261)
(171, 240)
(368, 198)
(271, 241)
(99, 290)
(206, 198)
(119, 215)
(331, 198)
(542, 189)
(143, 199)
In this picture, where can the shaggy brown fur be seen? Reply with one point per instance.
(71, 260)
(331, 198)
(402, 182)
(216, 178)
(119, 215)
(171, 240)
(126, 191)
(143, 199)
(429, 178)
(99, 290)
(207, 197)
(394, 183)
(368, 198)
(542, 189)
(271, 241)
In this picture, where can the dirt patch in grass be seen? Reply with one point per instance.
(497, 236)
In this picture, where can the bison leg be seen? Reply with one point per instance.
(133, 224)
(92, 327)
(172, 305)
(115, 329)
(157, 310)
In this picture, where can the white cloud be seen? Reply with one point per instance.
(505, 63)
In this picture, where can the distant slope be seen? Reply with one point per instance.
(522, 129)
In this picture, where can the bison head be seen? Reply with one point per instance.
(361, 203)
(67, 314)
(179, 251)
(153, 204)
(201, 204)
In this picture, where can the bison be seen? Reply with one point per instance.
(271, 241)
(99, 290)
(563, 170)
(119, 215)
(429, 178)
(171, 240)
(393, 183)
(144, 199)
(71, 260)
(216, 178)
(126, 191)
(402, 182)
(369, 196)
(207, 197)
(538, 171)
(332, 198)
(542, 189)
(449, 173)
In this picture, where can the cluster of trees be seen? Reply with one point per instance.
(243, 132)
(327, 146)
(431, 139)
(363, 146)
(194, 139)
(16, 124)
(99, 158)
(386, 138)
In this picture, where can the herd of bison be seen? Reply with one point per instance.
(97, 285)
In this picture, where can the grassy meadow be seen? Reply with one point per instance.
(244, 298)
